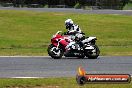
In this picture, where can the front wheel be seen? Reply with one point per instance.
(93, 54)
(54, 52)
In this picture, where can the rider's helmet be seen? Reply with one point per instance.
(68, 23)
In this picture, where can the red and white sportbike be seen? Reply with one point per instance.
(62, 45)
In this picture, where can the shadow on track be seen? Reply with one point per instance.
(74, 58)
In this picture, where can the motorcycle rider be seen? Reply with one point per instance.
(74, 31)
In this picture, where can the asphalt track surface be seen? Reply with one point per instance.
(20, 67)
(115, 12)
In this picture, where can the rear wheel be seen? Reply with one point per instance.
(93, 54)
(54, 52)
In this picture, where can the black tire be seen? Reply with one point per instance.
(90, 55)
(52, 54)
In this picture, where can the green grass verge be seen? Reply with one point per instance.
(54, 83)
(29, 33)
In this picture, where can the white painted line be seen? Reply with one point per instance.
(33, 77)
(126, 10)
(24, 56)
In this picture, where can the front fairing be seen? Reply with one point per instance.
(55, 39)
(54, 42)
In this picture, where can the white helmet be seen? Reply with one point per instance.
(68, 23)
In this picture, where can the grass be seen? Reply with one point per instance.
(54, 83)
(29, 33)
(128, 6)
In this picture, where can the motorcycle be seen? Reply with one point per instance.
(62, 45)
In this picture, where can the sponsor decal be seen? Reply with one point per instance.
(83, 78)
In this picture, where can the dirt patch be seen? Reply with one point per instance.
(59, 14)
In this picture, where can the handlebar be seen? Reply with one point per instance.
(58, 32)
